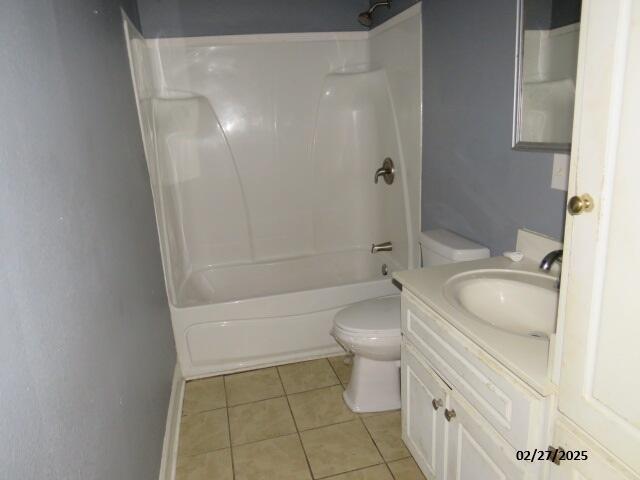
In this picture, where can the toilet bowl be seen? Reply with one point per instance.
(371, 331)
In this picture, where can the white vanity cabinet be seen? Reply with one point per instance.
(515, 410)
(461, 418)
(474, 452)
(593, 404)
(424, 398)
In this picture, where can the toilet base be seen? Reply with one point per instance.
(374, 385)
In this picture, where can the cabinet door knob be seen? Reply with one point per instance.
(580, 204)
(449, 414)
(436, 403)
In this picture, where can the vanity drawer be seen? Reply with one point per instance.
(516, 411)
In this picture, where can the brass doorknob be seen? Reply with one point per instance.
(580, 204)
(436, 404)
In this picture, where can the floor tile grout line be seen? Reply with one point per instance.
(334, 370)
(350, 370)
(306, 457)
(226, 401)
(386, 464)
(231, 446)
(313, 389)
(328, 477)
(400, 460)
(284, 394)
(183, 417)
(275, 436)
(203, 453)
(356, 417)
(372, 439)
(382, 462)
(255, 401)
(376, 443)
(336, 373)
(274, 367)
(328, 425)
(295, 424)
(238, 445)
(202, 411)
(292, 433)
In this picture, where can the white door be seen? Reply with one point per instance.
(600, 372)
(599, 465)
(424, 397)
(477, 452)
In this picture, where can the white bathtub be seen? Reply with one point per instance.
(253, 315)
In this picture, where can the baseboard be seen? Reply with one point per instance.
(172, 428)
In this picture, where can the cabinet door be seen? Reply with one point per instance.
(477, 452)
(599, 381)
(424, 396)
(600, 465)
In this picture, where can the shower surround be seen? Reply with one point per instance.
(261, 152)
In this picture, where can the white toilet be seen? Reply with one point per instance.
(371, 329)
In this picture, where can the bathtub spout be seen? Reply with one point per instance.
(381, 247)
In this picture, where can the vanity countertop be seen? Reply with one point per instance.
(527, 357)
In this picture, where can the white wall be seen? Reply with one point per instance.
(264, 147)
(244, 143)
(396, 47)
(551, 54)
(86, 354)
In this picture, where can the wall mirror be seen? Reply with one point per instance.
(545, 80)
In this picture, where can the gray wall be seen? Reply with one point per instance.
(472, 181)
(86, 354)
(537, 14)
(176, 18)
(565, 12)
(546, 14)
(383, 14)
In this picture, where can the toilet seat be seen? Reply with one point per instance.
(371, 331)
(378, 317)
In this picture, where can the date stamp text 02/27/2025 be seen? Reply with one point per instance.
(555, 455)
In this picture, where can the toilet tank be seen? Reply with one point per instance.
(441, 246)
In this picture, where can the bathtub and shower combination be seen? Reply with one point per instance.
(261, 152)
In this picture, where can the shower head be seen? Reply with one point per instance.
(366, 18)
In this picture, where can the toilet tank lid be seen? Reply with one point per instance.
(452, 246)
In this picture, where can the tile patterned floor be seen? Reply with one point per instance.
(289, 423)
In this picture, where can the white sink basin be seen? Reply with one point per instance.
(517, 302)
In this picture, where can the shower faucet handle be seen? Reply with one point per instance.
(381, 247)
(386, 171)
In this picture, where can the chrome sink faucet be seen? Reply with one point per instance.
(549, 259)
